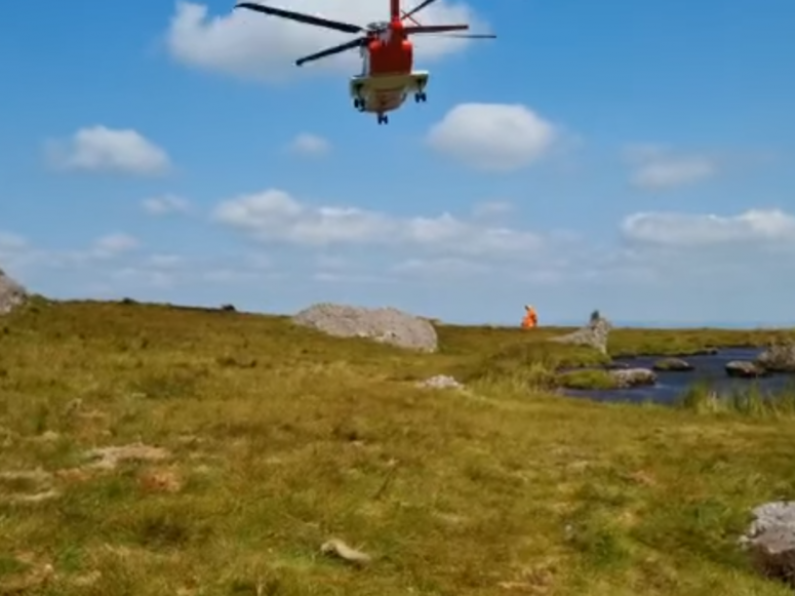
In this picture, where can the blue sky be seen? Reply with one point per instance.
(630, 156)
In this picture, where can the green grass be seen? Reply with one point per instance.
(282, 438)
(592, 379)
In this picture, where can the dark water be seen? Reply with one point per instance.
(671, 385)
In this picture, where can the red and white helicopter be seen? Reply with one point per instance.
(388, 56)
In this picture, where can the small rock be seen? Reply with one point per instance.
(770, 540)
(341, 550)
(633, 377)
(672, 365)
(744, 370)
(440, 382)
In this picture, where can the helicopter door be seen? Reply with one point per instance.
(365, 52)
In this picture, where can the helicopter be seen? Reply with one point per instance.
(387, 76)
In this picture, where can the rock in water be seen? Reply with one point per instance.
(672, 365)
(771, 540)
(744, 370)
(12, 294)
(594, 334)
(633, 377)
(778, 359)
(387, 325)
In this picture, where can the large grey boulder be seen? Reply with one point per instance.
(770, 540)
(12, 294)
(593, 335)
(387, 325)
(780, 358)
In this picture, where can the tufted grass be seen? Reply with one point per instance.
(281, 438)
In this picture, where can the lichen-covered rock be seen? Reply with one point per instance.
(743, 369)
(387, 325)
(770, 540)
(12, 294)
(780, 358)
(672, 365)
(593, 335)
(633, 377)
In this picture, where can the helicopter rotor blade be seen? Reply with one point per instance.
(301, 17)
(418, 8)
(468, 36)
(435, 29)
(333, 50)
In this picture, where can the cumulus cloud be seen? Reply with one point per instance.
(275, 216)
(166, 204)
(309, 144)
(102, 149)
(696, 230)
(256, 46)
(493, 137)
(657, 168)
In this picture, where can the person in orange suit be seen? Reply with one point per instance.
(530, 317)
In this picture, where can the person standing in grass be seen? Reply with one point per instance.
(530, 320)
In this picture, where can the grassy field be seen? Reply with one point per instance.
(266, 440)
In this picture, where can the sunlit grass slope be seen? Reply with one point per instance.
(274, 439)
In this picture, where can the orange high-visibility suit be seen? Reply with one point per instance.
(530, 318)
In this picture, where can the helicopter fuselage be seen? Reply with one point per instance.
(387, 76)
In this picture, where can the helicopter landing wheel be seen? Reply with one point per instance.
(358, 104)
(420, 97)
(383, 119)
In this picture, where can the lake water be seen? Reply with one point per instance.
(671, 385)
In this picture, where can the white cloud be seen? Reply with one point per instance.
(256, 46)
(275, 216)
(697, 230)
(493, 137)
(309, 144)
(165, 205)
(656, 168)
(492, 208)
(102, 149)
(114, 244)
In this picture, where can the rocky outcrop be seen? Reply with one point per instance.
(770, 540)
(12, 294)
(672, 365)
(742, 369)
(387, 325)
(593, 335)
(780, 358)
(633, 377)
